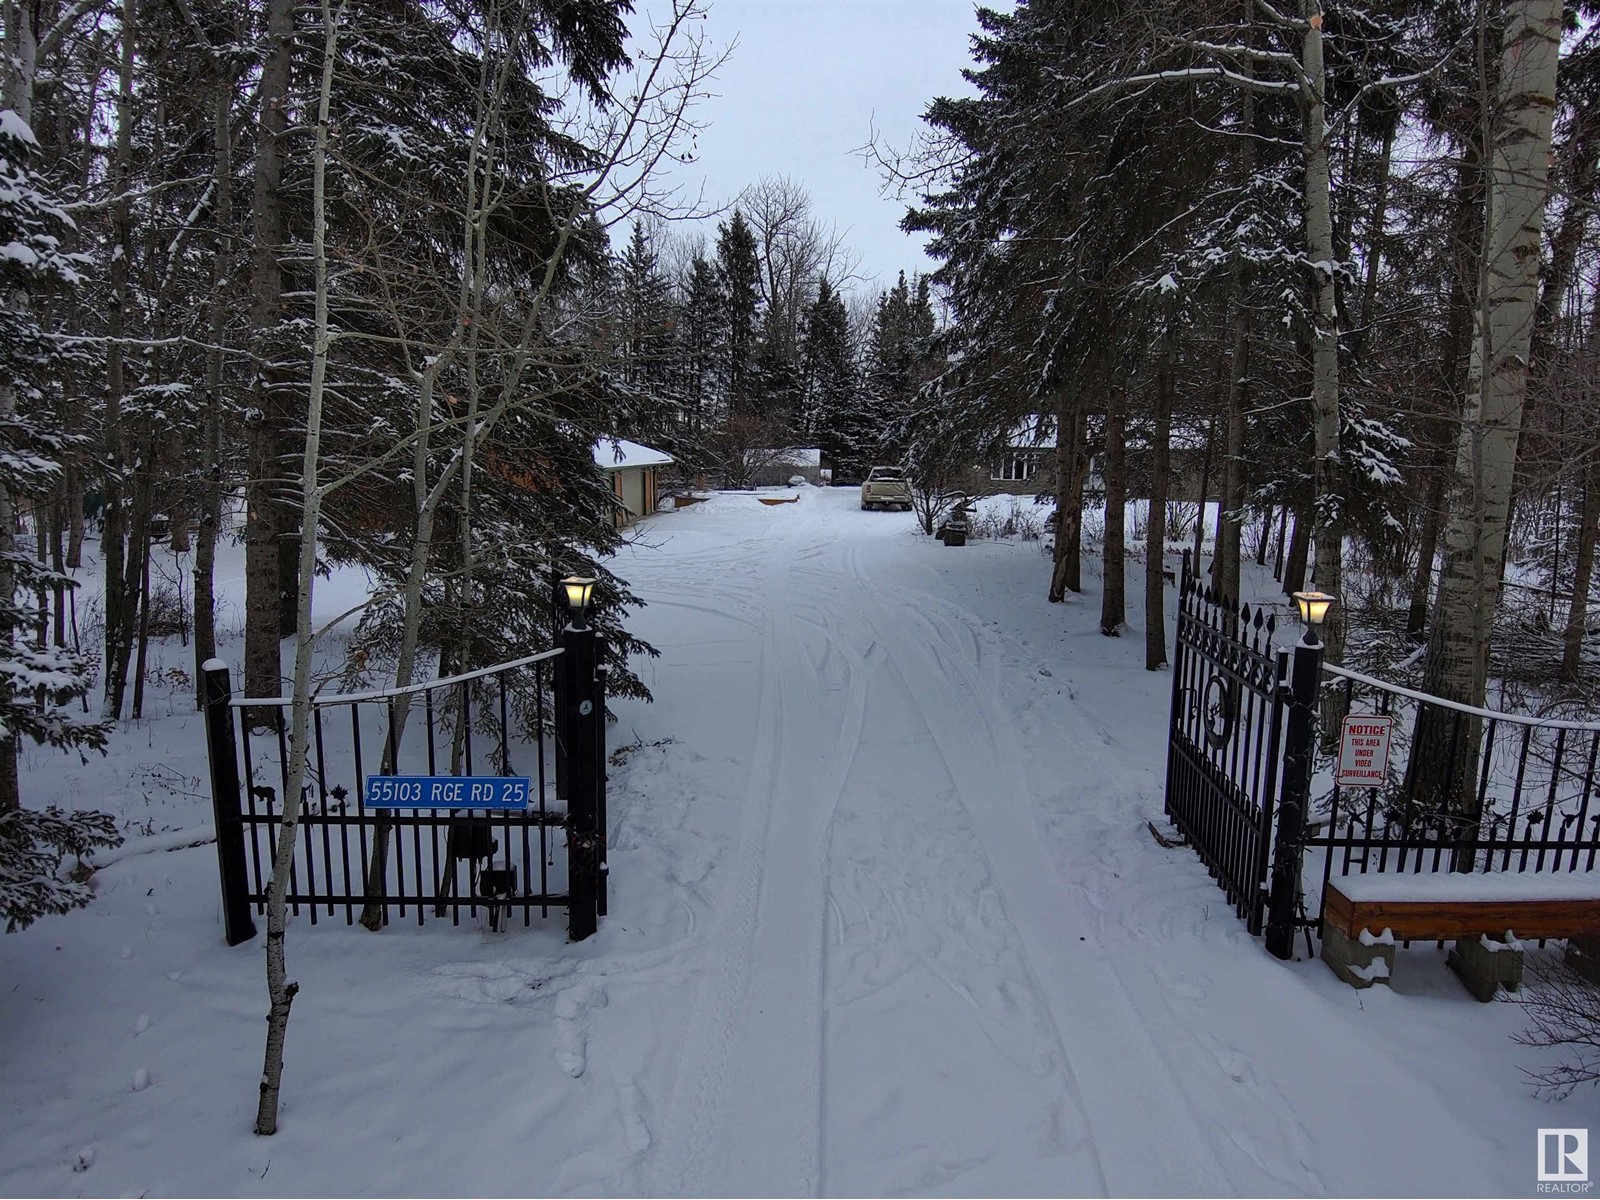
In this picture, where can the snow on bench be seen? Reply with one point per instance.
(1455, 887)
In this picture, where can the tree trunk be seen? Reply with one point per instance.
(1074, 523)
(58, 564)
(1294, 570)
(1327, 509)
(1428, 545)
(1066, 424)
(1114, 555)
(143, 637)
(265, 431)
(280, 991)
(1155, 551)
(1230, 511)
(1582, 570)
(72, 501)
(1377, 221)
(1475, 532)
(1277, 554)
(1205, 487)
(1264, 542)
(210, 514)
(1580, 159)
(1451, 375)
(114, 527)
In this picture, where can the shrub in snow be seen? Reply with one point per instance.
(1563, 1006)
(1014, 521)
(32, 846)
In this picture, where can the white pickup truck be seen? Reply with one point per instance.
(886, 487)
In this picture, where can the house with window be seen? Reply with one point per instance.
(1025, 465)
(632, 471)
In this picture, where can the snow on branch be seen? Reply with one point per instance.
(1180, 76)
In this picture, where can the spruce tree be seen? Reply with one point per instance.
(738, 275)
(702, 327)
(37, 681)
(833, 414)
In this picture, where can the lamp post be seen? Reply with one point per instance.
(580, 714)
(1294, 799)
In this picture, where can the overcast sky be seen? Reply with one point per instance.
(806, 83)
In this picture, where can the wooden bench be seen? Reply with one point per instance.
(1486, 915)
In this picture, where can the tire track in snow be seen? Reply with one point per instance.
(687, 1140)
(1112, 1059)
(949, 624)
(747, 1111)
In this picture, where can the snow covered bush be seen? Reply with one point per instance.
(32, 845)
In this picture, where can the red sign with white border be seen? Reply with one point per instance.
(1364, 751)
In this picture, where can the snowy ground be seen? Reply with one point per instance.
(886, 918)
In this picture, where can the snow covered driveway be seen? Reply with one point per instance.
(904, 980)
(946, 956)
(885, 919)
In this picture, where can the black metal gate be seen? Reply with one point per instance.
(541, 717)
(1225, 741)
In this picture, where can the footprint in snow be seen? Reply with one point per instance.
(141, 1024)
(1236, 1065)
(631, 1105)
(573, 1009)
(141, 1079)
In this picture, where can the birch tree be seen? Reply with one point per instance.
(1518, 163)
(281, 990)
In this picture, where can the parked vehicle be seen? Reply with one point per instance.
(886, 487)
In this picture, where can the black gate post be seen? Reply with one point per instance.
(1295, 797)
(602, 688)
(1176, 667)
(580, 710)
(224, 755)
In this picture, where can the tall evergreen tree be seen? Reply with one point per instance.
(702, 329)
(644, 297)
(738, 277)
(37, 680)
(834, 415)
(898, 358)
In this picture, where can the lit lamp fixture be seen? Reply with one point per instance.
(1314, 608)
(578, 589)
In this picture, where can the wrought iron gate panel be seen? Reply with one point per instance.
(540, 717)
(1224, 741)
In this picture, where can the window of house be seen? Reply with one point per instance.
(1015, 467)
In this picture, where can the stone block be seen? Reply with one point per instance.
(1360, 961)
(1487, 964)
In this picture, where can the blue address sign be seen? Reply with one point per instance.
(501, 793)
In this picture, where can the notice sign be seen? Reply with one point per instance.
(1364, 751)
(503, 793)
